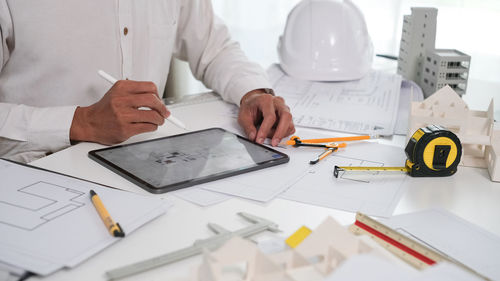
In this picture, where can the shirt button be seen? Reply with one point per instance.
(125, 31)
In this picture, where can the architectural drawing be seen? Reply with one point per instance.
(369, 193)
(47, 220)
(34, 205)
(365, 106)
(364, 177)
(173, 157)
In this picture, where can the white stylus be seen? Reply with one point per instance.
(113, 80)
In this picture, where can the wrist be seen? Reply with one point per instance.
(79, 130)
(256, 92)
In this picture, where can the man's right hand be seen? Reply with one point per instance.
(117, 117)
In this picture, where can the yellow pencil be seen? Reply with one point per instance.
(113, 228)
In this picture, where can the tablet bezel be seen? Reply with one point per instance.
(93, 154)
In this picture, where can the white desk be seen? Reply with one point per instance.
(469, 194)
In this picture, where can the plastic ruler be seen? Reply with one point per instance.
(407, 249)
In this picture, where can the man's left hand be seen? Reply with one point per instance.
(270, 112)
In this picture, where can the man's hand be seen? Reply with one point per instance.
(273, 115)
(117, 117)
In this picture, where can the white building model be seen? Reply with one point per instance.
(419, 61)
(329, 253)
(443, 67)
(475, 129)
(324, 251)
(419, 34)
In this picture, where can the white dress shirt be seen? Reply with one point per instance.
(50, 52)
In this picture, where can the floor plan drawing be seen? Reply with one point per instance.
(166, 158)
(371, 193)
(365, 106)
(34, 205)
(366, 176)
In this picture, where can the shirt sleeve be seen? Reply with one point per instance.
(204, 41)
(5, 32)
(28, 133)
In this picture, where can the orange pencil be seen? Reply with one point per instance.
(294, 140)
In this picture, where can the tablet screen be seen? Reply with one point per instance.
(170, 163)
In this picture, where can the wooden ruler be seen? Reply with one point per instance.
(412, 252)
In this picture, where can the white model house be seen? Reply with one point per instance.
(321, 253)
(475, 129)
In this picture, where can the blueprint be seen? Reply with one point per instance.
(39, 203)
(365, 106)
(47, 220)
(373, 193)
(266, 184)
(200, 196)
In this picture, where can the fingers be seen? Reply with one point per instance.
(285, 124)
(125, 87)
(136, 95)
(117, 116)
(137, 122)
(150, 101)
(291, 129)
(266, 105)
(277, 123)
(145, 116)
(140, 128)
(246, 121)
(272, 113)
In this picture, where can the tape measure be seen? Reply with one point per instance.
(431, 152)
(405, 248)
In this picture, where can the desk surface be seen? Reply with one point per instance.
(469, 194)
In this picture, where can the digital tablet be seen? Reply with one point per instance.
(169, 163)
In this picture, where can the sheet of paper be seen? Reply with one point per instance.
(5, 164)
(376, 268)
(48, 221)
(371, 267)
(446, 272)
(365, 106)
(26, 261)
(264, 185)
(373, 193)
(14, 270)
(453, 236)
(200, 196)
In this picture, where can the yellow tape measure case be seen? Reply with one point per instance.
(433, 152)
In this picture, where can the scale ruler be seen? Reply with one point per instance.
(412, 252)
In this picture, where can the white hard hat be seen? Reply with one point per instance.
(326, 40)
